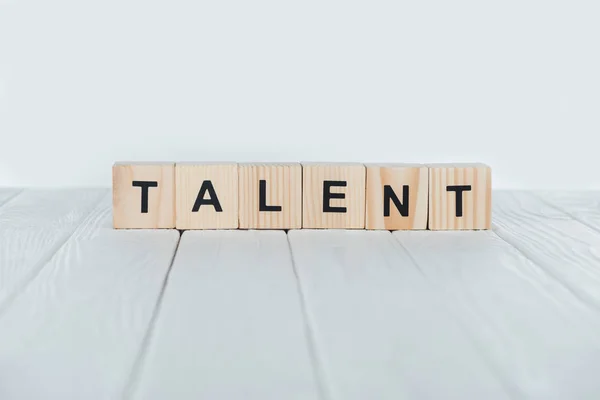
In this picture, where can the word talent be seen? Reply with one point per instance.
(301, 196)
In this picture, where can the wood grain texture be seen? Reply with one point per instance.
(476, 203)
(415, 315)
(33, 226)
(381, 329)
(223, 178)
(283, 187)
(540, 340)
(314, 175)
(564, 248)
(76, 330)
(230, 325)
(128, 208)
(582, 205)
(397, 176)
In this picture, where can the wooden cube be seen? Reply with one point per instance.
(396, 196)
(270, 196)
(460, 196)
(143, 195)
(207, 195)
(333, 196)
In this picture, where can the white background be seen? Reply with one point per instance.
(512, 83)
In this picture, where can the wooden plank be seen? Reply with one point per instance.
(539, 338)
(75, 331)
(564, 248)
(381, 329)
(33, 226)
(582, 205)
(230, 325)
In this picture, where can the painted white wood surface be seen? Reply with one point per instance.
(537, 337)
(584, 206)
(76, 329)
(33, 226)
(563, 247)
(513, 313)
(381, 328)
(230, 325)
(7, 194)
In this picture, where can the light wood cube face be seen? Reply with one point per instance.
(143, 195)
(460, 197)
(333, 196)
(270, 196)
(396, 197)
(207, 196)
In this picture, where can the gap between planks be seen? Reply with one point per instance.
(73, 284)
(564, 210)
(509, 389)
(508, 293)
(534, 229)
(311, 338)
(37, 268)
(231, 313)
(524, 254)
(553, 276)
(138, 365)
(382, 327)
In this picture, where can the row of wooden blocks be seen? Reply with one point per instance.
(301, 195)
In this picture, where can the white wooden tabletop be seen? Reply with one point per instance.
(88, 312)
